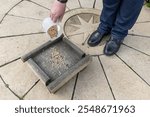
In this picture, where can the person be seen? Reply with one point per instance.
(117, 17)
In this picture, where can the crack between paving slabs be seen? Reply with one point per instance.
(24, 17)
(74, 88)
(138, 35)
(86, 39)
(96, 55)
(9, 62)
(68, 8)
(133, 70)
(21, 35)
(30, 89)
(94, 3)
(142, 22)
(106, 78)
(7, 86)
(37, 4)
(80, 3)
(74, 34)
(135, 49)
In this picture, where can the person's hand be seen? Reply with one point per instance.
(57, 10)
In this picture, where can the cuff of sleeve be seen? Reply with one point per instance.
(63, 1)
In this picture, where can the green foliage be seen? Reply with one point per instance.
(148, 5)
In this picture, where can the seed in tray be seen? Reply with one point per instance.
(57, 60)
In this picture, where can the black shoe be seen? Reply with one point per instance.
(95, 38)
(112, 46)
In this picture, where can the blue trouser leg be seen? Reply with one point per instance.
(119, 16)
(108, 15)
(126, 17)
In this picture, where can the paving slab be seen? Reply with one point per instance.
(82, 44)
(87, 3)
(144, 15)
(139, 62)
(1, 16)
(141, 29)
(92, 84)
(6, 5)
(6, 94)
(18, 76)
(79, 24)
(99, 4)
(81, 21)
(45, 3)
(139, 43)
(124, 82)
(72, 4)
(76, 39)
(14, 47)
(79, 41)
(17, 25)
(30, 10)
(40, 92)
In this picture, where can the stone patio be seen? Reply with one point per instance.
(125, 75)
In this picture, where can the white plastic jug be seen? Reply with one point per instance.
(53, 30)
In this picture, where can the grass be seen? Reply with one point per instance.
(148, 5)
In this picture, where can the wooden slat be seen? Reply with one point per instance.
(40, 92)
(36, 50)
(59, 82)
(39, 72)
